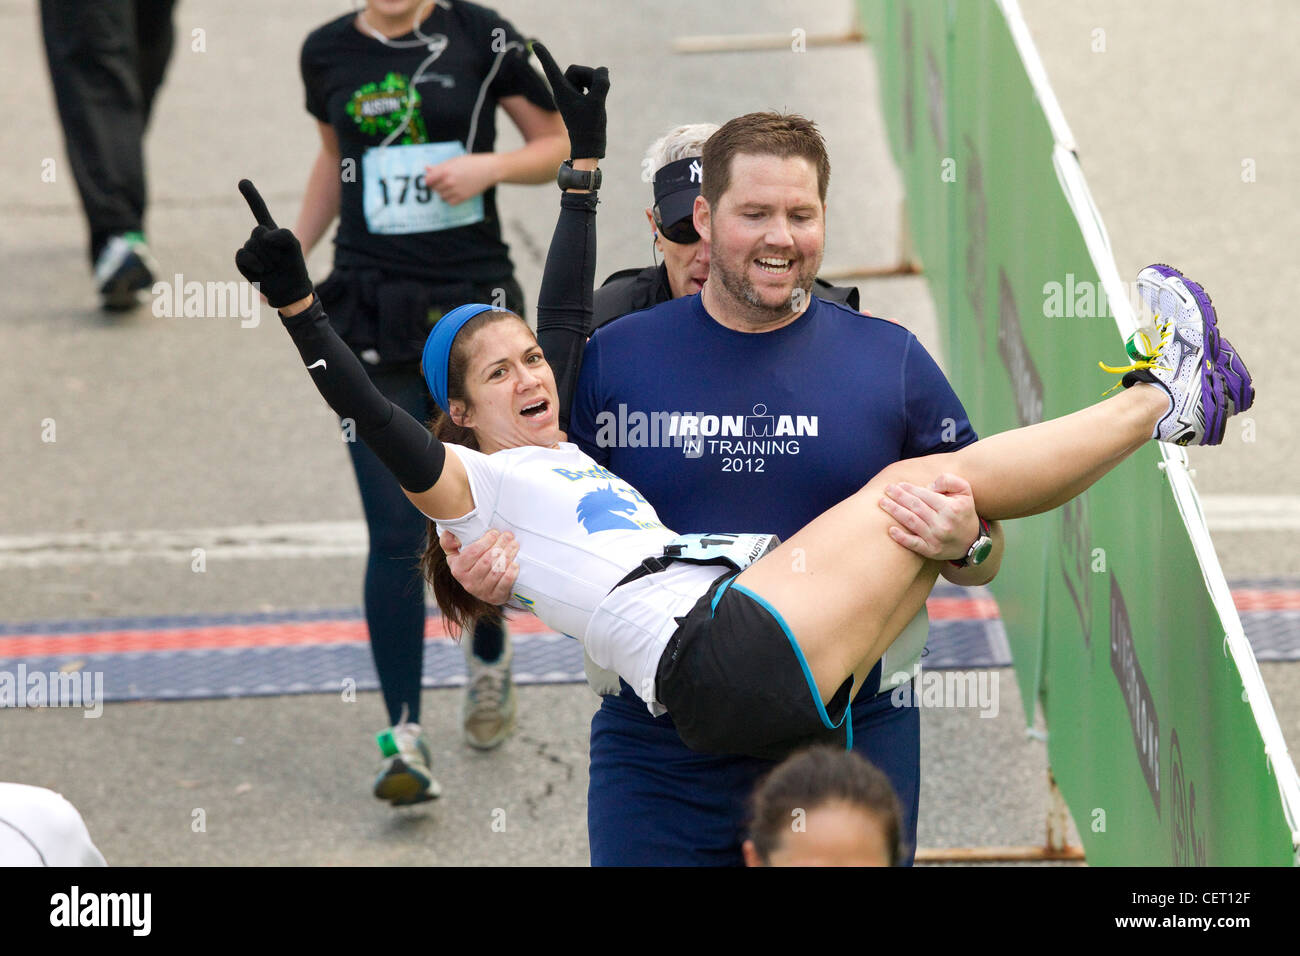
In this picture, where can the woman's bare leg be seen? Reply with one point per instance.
(908, 605)
(1073, 491)
(846, 589)
(1031, 470)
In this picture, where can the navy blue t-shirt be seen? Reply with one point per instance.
(771, 429)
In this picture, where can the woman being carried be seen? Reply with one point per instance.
(748, 656)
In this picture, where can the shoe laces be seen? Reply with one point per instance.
(487, 689)
(1141, 361)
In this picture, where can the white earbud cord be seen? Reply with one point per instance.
(422, 40)
(437, 44)
(482, 91)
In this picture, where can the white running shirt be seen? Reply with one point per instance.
(581, 529)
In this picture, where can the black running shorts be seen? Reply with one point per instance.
(735, 681)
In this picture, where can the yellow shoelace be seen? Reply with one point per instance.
(1166, 332)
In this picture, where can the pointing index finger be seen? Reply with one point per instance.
(256, 204)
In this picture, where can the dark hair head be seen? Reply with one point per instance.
(459, 608)
(813, 778)
(762, 134)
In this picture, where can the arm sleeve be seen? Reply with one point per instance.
(564, 303)
(407, 448)
(936, 419)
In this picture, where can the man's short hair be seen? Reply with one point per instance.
(681, 142)
(763, 134)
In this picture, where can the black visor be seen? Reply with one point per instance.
(676, 185)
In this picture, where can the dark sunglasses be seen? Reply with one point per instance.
(682, 231)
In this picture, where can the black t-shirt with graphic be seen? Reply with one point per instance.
(362, 88)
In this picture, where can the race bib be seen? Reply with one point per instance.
(737, 550)
(394, 195)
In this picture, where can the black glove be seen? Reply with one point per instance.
(583, 112)
(272, 257)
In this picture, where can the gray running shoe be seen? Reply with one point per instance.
(489, 709)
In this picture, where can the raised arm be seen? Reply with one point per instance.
(564, 303)
(272, 257)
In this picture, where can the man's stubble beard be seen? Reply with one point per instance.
(747, 298)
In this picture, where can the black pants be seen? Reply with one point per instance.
(107, 59)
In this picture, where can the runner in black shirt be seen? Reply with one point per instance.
(405, 95)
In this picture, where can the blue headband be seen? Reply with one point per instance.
(437, 349)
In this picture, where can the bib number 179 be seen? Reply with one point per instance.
(395, 197)
(402, 185)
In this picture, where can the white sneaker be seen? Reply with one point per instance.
(489, 709)
(1166, 290)
(1182, 363)
(124, 268)
(405, 777)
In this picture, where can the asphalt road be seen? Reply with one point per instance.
(182, 423)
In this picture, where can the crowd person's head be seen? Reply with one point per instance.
(762, 209)
(824, 807)
(674, 159)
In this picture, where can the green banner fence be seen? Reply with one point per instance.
(1161, 735)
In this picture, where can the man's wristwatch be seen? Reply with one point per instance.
(980, 550)
(570, 178)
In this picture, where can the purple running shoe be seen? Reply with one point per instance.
(1162, 295)
(1183, 363)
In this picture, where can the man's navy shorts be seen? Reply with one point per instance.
(652, 801)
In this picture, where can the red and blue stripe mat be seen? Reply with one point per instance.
(327, 651)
